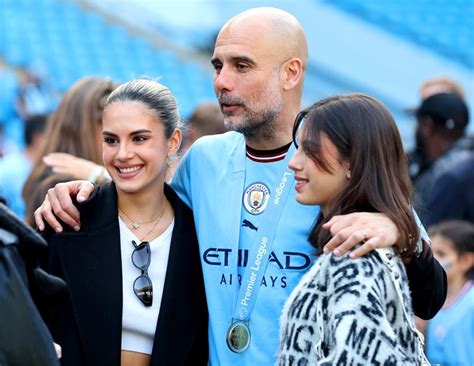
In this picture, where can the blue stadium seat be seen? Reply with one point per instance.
(421, 21)
(73, 42)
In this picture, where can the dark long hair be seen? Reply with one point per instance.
(366, 136)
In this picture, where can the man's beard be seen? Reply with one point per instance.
(252, 124)
(255, 124)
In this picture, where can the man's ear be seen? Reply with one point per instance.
(292, 72)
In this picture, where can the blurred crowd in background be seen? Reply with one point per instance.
(55, 78)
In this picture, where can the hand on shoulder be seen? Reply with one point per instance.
(58, 204)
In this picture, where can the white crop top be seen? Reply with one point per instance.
(139, 321)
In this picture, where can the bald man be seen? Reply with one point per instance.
(259, 61)
(252, 232)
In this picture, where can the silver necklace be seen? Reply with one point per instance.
(135, 224)
(157, 220)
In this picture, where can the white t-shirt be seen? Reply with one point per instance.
(139, 321)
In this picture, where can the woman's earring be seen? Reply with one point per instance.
(170, 160)
(348, 174)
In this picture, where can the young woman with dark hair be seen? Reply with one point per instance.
(353, 311)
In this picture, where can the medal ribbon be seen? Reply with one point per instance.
(262, 247)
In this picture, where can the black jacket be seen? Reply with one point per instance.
(24, 338)
(88, 322)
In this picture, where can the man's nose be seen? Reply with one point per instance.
(224, 80)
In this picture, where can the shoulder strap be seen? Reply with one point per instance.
(387, 256)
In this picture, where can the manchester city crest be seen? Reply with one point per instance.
(256, 198)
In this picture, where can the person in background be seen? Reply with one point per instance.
(450, 334)
(74, 128)
(136, 291)
(76, 168)
(438, 85)
(441, 123)
(35, 96)
(16, 166)
(452, 196)
(206, 119)
(417, 160)
(10, 123)
(350, 157)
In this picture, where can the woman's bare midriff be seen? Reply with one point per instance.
(130, 358)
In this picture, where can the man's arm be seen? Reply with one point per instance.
(428, 283)
(375, 230)
(58, 204)
(427, 278)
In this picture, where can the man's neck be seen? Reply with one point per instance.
(281, 136)
(273, 144)
(267, 156)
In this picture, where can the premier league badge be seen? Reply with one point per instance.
(238, 337)
(256, 198)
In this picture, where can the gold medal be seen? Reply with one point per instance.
(238, 337)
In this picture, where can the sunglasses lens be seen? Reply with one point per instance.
(141, 256)
(144, 290)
